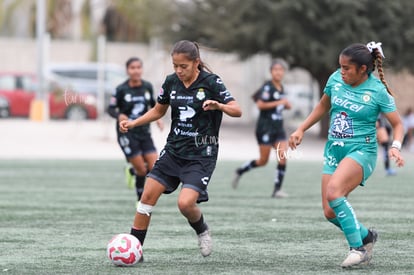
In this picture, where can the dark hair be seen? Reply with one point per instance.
(279, 61)
(191, 50)
(359, 54)
(131, 60)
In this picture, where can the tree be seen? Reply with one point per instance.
(309, 34)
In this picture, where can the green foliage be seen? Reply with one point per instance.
(309, 34)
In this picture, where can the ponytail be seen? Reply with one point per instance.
(377, 63)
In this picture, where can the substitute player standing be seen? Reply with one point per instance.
(198, 100)
(354, 97)
(132, 99)
(270, 133)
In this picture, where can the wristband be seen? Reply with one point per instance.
(396, 144)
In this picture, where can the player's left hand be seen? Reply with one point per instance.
(160, 124)
(395, 155)
(209, 105)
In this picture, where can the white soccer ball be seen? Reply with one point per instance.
(124, 250)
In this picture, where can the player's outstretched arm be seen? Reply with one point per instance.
(317, 113)
(398, 135)
(232, 108)
(153, 114)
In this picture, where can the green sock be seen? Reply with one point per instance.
(362, 229)
(347, 219)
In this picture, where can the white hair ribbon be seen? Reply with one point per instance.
(372, 46)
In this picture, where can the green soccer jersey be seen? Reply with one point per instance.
(354, 110)
(194, 132)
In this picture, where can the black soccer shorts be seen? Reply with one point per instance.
(170, 171)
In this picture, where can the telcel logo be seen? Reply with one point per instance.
(347, 104)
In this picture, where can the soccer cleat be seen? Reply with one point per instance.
(373, 236)
(236, 179)
(205, 243)
(391, 172)
(279, 194)
(129, 178)
(356, 257)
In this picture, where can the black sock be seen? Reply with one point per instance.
(200, 226)
(368, 238)
(385, 145)
(139, 185)
(280, 170)
(139, 234)
(246, 167)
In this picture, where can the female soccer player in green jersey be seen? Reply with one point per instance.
(198, 100)
(354, 97)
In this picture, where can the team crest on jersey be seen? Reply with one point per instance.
(342, 126)
(366, 97)
(128, 97)
(147, 95)
(276, 95)
(200, 94)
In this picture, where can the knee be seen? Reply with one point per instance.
(262, 161)
(332, 192)
(185, 205)
(328, 213)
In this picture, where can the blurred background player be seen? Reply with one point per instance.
(271, 100)
(198, 100)
(132, 99)
(383, 135)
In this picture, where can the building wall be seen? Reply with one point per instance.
(242, 77)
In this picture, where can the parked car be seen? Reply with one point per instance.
(17, 90)
(86, 75)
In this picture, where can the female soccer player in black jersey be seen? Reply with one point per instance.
(198, 100)
(132, 99)
(271, 101)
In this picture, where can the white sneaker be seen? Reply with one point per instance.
(355, 258)
(205, 243)
(279, 194)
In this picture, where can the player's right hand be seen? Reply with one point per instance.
(295, 139)
(124, 125)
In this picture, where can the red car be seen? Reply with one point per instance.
(17, 93)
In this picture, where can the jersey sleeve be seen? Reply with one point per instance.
(221, 93)
(164, 94)
(151, 91)
(330, 84)
(113, 109)
(386, 101)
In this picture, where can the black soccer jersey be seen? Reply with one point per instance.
(133, 102)
(270, 118)
(194, 132)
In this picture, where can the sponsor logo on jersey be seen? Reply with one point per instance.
(342, 126)
(186, 112)
(178, 131)
(200, 94)
(347, 104)
(161, 93)
(219, 81)
(265, 95)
